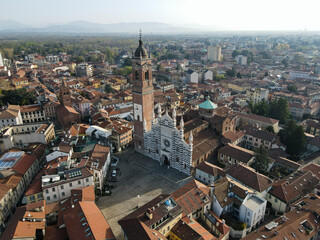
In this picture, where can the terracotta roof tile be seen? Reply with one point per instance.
(249, 177)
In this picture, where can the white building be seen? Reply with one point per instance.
(84, 70)
(57, 154)
(207, 75)
(99, 132)
(207, 173)
(252, 211)
(232, 198)
(257, 95)
(241, 60)
(33, 113)
(1, 61)
(22, 135)
(52, 58)
(302, 75)
(165, 143)
(99, 162)
(192, 76)
(11, 116)
(57, 187)
(214, 53)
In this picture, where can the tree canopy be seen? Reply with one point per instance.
(17, 97)
(261, 159)
(278, 109)
(270, 129)
(108, 88)
(292, 88)
(231, 72)
(293, 137)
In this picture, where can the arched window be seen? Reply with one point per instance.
(137, 74)
(138, 118)
(146, 75)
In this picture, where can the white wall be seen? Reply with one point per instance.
(63, 190)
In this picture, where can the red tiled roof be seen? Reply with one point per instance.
(191, 196)
(24, 163)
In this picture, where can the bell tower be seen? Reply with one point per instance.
(142, 91)
(65, 96)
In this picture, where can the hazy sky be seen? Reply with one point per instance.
(225, 14)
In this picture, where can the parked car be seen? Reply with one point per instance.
(114, 173)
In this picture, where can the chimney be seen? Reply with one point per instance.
(149, 213)
(211, 189)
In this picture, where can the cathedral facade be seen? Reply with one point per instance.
(166, 144)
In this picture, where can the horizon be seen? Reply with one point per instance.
(230, 15)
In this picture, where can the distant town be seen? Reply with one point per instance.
(179, 137)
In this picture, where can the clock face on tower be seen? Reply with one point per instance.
(166, 142)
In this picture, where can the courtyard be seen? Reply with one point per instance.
(141, 180)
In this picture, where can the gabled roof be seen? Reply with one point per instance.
(236, 152)
(190, 229)
(209, 168)
(137, 225)
(192, 196)
(314, 168)
(248, 176)
(24, 163)
(19, 229)
(11, 112)
(295, 186)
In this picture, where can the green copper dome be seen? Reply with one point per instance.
(208, 105)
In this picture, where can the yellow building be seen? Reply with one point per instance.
(238, 87)
(20, 82)
(96, 84)
(116, 86)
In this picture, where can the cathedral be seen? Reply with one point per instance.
(157, 134)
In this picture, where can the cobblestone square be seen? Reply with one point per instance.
(141, 180)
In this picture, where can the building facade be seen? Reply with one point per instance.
(214, 53)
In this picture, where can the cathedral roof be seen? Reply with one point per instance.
(141, 52)
(208, 105)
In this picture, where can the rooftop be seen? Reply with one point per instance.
(208, 105)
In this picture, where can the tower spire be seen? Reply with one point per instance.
(140, 38)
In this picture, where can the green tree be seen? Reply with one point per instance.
(293, 137)
(231, 72)
(127, 62)
(239, 75)
(279, 109)
(108, 88)
(262, 108)
(218, 77)
(79, 59)
(93, 59)
(270, 129)
(292, 88)
(127, 70)
(235, 53)
(261, 159)
(285, 62)
(17, 97)
(307, 116)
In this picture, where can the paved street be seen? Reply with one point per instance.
(139, 176)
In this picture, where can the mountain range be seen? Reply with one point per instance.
(90, 27)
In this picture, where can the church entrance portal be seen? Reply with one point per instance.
(165, 160)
